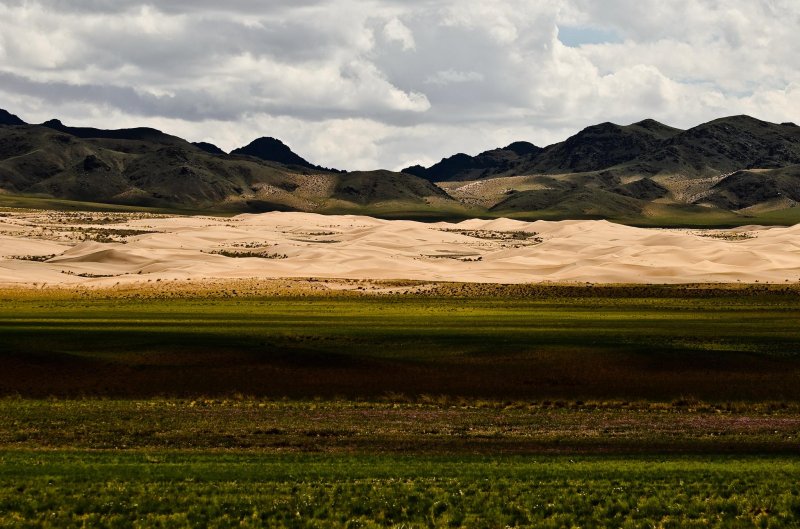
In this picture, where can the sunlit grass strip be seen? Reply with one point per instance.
(64, 489)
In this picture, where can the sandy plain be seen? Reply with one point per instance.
(102, 249)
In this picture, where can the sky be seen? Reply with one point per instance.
(366, 84)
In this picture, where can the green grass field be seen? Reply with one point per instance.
(455, 406)
(78, 489)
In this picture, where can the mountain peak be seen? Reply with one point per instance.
(7, 118)
(739, 120)
(651, 124)
(656, 128)
(648, 123)
(272, 150)
(465, 167)
(604, 127)
(210, 148)
(522, 148)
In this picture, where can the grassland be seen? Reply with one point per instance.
(580, 343)
(56, 204)
(232, 490)
(288, 404)
(431, 426)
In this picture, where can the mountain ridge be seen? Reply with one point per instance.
(146, 167)
(729, 168)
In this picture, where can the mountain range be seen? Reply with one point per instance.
(733, 170)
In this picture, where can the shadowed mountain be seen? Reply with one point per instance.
(486, 164)
(769, 189)
(575, 202)
(210, 148)
(145, 167)
(726, 170)
(274, 150)
(723, 146)
(7, 118)
(40, 160)
(599, 147)
(646, 148)
(593, 149)
(367, 187)
(136, 134)
(627, 171)
(643, 189)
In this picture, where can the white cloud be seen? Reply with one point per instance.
(445, 77)
(370, 83)
(396, 31)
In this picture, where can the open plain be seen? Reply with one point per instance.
(353, 403)
(295, 370)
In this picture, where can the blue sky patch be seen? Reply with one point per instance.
(575, 36)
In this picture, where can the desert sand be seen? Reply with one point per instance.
(55, 248)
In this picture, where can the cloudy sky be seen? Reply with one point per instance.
(361, 84)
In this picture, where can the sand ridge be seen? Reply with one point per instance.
(89, 248)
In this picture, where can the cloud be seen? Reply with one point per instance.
(450, 76)
(396, 31)
(384, 83)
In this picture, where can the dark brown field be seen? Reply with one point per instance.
(520, 343)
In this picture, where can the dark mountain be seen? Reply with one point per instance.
(644, 189)
(210, 148)
(523, 148)
(624, 171)
(566, 199)
(7, 118)
(144, 167)
(136, 134)
(369, 187)
(722, 170)
(274, 150)
(646, 148)
(723, 146)
(599, 147)
(593, 149)
(745, 189)
(40, 160)
(486, 164)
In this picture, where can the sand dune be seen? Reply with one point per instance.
(92, 249)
